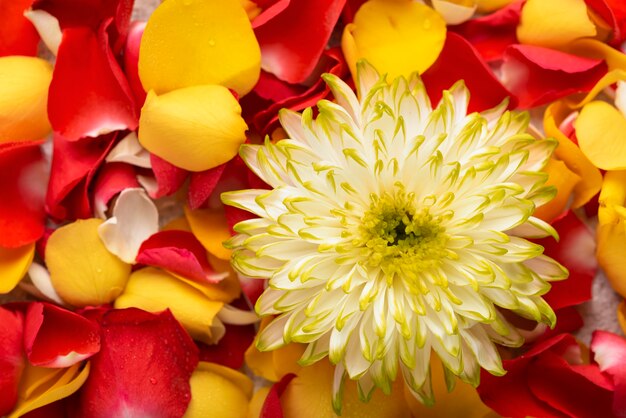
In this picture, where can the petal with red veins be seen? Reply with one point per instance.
(111, 180)
(538, 75)
(56, 337)
(143, 367)
(89, 94)
(459, 60)
(17, 34)
(74, 165)
(21, 206)
(11, 358)
(610, 353)
(293, 41)
(180, 253)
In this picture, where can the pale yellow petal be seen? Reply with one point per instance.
(600, 131)
(14, 263)
(83, 272)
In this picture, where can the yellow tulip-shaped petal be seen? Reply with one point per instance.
(195, 128)
(83, 272)
(218, 392)
(613, 195)
(397, 37)
(564, 180)
(463, 401)
(193, 42)
(590, 177)
(24, 83)
(488, 6)
(600, 130)
(14, 263)
(554, 23)
(209, 226)
(155, 290)
(309, 396)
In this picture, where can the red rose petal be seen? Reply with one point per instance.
(231, 348)
(293, 41)
(17, 35)
(460, 61)
(74, 165)
(11, 358)
(576, 251)
(112, 179)
(202, 184)
(142, 369)
(538, 75)
(56, 337)
(610, 353)
(491, 34)
(22, 175)
(89, 94)
(131, 61)
(169, 177)
(614, 13)
(272, 407)
(179, 252)
(270, 8)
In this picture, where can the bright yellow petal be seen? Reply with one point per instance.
(621, 315)
(193, 42)
(215, 394)
(609, 78)
(397, 37)
(561, 177)
(82, 270)
(592, 48)
(554, 23)
(240, 380)
(50, 386)
(572, 156)
(14, 263)
(610, 253)
(195, 128)
(463, 401)
(309, 396)
(155, 290)
(600, 131)
(488, 6)
(24, 83)
(211, 229)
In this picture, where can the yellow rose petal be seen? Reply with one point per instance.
(554, 23)
(218, 393)
(14, 263)
(209, 226)
(195, 128)
(193, 42)
(155, 290)
(564, 180)
(592, 48)
(613, 195)
(83, 272)
(396, 37)
(24, 83)
(600, 130)
(488, 6)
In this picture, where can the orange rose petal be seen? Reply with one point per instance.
(561, 177)
(211, 229)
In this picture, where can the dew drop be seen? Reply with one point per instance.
(153, 381)
(211, 42)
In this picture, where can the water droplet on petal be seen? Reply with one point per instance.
(211, 42)
(153, 381)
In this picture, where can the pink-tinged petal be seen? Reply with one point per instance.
(89, 94)
(538, 75)
(56, 337)
(143, 367)
(272, 407)
(22, 174)
(459, 60)
(169, 177)
(111, 180)
(17, 35)
(610, 353)
(74, 164)
(11, 358)
(202, 184)
(293, 41)
(131, 61)
(491, 34)
(576, 251)
(231, 348)
(178, 252)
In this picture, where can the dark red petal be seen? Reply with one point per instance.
(272, 407)
(142, 369)
(89, 93)
(202, 184)
(610, 353)
(74, 165)
(538, 75)
(231, 348)
(491, 34)
(11, 358)
(179, 252)
(459, 60)
(56, 337)
(169, 177)
(17, 35)
(293, 41)
(613, 12)
(576, 251)
(111, 180)
(131, 61)
(22, 176)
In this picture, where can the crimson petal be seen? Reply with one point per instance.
(112, 179)
(17, 35)
(272, 407)
(169, 178)
(231, 348)
(11, 358)
(202, 184)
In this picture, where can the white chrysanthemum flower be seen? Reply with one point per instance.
(394, 230)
